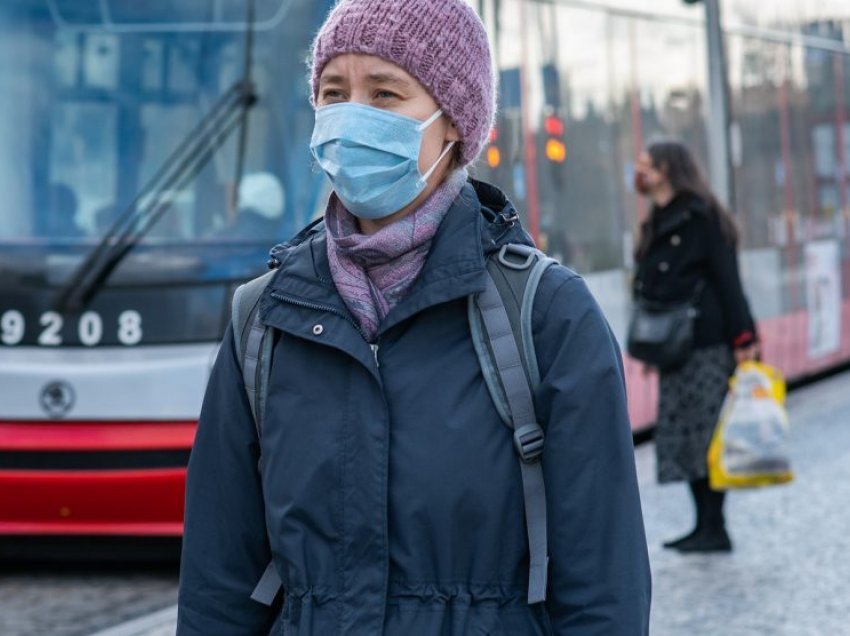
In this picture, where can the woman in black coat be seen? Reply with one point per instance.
(687, 252)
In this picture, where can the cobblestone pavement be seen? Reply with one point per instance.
(161, 623)
(790, 569)
(77, 600)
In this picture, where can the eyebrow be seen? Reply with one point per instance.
(375, 78)
(388, 78)
(331, 79)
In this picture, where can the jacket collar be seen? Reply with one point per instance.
(455, 266)
(675, 214)
(479, 221)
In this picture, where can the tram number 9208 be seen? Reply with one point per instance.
(13, 328)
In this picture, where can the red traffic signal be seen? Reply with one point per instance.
(553, 126)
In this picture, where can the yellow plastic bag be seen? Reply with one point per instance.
(749, 447)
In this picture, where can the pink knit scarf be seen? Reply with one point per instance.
(373, 272)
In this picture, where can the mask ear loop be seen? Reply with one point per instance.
(430, 120)
(442, 156)
(428, 174)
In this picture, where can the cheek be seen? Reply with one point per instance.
(429, 151)
(433, 143)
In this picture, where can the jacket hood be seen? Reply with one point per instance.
(501, 221)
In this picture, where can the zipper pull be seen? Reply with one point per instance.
(375, 348)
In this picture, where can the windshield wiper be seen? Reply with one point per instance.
(158, 195)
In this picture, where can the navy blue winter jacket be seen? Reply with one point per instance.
(389, 493)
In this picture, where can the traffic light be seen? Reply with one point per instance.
(494, 154)
(554, 126)
(555, 148)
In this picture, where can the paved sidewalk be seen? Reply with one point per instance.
(790, 570)
(161, 623)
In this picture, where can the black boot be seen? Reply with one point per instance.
(699, 508)
(712, 536)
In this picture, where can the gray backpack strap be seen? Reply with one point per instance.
(506, 353)
(516, 270)
(253, 347)
(268, 586)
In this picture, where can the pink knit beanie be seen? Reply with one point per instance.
(442, 43)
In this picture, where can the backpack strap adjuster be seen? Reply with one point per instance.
(527, 252)
(528, 441)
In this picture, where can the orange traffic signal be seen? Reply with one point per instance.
(556, 151)
(494, 157)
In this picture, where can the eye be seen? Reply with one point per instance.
(332, 95)
(385, 95)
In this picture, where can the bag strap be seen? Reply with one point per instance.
(268, 586)
(253, 347)
(500, 322)
(516, 270)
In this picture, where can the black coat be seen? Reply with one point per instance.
(688, 247)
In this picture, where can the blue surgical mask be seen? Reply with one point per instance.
(371, 157)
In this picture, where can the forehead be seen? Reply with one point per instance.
(351, 66)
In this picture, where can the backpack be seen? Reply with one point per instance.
(500, 323)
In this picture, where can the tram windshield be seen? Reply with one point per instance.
(95, 95)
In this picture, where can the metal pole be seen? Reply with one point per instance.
(531, 182)
(718, 117)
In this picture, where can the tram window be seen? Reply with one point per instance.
(823, 138)
(66, 58)
(101, 61)
(153, 56)
(151, 12)
(83, 156)
(183, 63)
(76, 12)
(109, 88)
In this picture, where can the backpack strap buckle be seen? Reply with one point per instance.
(528, 441)
(526, 252)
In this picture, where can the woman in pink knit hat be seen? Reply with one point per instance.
(417, 423)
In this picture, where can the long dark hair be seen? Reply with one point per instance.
(677, 162)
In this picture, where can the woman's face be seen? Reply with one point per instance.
(372, 81)
(648, 177)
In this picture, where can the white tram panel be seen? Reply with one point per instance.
(108, 383)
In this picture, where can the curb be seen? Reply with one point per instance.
(160, 623)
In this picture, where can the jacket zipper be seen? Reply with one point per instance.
(375, 347)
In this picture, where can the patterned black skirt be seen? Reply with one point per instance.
(689, 405)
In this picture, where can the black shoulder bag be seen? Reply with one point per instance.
(662, 334)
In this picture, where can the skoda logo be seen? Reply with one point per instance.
(57, 398)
